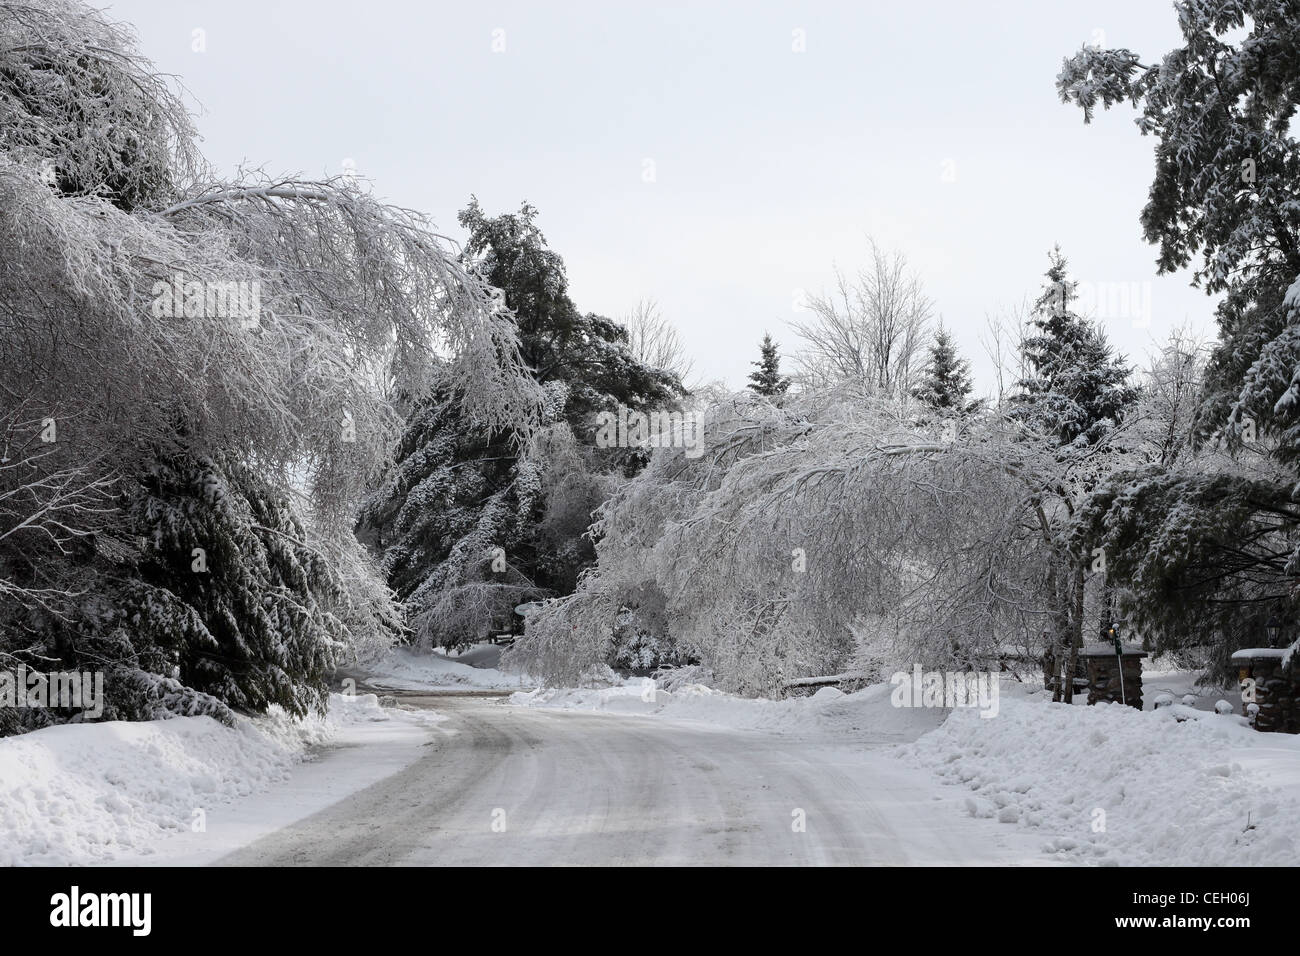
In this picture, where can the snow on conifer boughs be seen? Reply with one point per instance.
(451, 515)
(1075, 389)
(1204, 553)
(468, 521)
(767, 379)
(1208, 544)
(1226, 187)
(946, 381)
(229, 590)
(103, 203)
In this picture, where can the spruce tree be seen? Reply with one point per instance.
(946, 384)
(1074, 394)
(1076, 389)
(767, 380)
(467, 522)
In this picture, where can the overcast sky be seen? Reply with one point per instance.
(932, 126)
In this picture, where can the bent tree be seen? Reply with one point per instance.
(178, 487)
(1210, 555)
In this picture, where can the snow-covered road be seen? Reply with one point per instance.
(508, 785)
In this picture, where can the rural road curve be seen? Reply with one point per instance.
(502, 785)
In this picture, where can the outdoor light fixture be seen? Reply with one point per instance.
(1110, 633)
(1274, 629)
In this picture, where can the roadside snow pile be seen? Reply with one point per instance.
(406, 669)
(83, 793)
(1174, 786)
(866, 713)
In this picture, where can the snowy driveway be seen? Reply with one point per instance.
(502, 785)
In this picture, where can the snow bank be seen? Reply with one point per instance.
(407, 669)
(866, 713)
(1108, 784)
(84, 793)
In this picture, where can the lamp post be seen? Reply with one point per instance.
(1110, 632)
(1274, 629)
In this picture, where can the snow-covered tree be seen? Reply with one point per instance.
(1075, 389)
(869, 331)
(767, 379)
(946, 381)
(807, 537)
(1211, 553)
(206, 365)
(1170, 396)
(1075, 395)
(470, 522)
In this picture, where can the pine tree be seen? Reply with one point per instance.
(946, 384)
(468, 523)
(1075, 389)
(767, 380)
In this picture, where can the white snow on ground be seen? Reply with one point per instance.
(96, 792)
(1176, 785)
(406, 669)
(828, 712)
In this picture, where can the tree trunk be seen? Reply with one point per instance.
(1076, 632)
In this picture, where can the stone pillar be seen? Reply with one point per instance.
(1276, 689)
(1105, 668)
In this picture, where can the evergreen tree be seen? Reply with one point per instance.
(1226, 187)
(188, 530)
(1209, 555)
(1075, 394)
(767, 380)
(587, 352)
(946, 384)
(210, 599)
(1075, 389)
(468, 522)
(227, 589)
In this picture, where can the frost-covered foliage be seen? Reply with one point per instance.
(445, 519)
(124, 358)
(93, 116)
(946, 381)
(1204, 554)
(471, 523)
(766, 379)
(250, 618)
(1211, 548)
(1170, 397)
(804, 531)
(1075, 388)
(1226, 188)
(869, 331)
